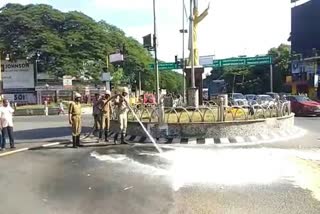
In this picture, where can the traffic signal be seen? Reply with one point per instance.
(180, 64)
(177, 62)
(147, 42)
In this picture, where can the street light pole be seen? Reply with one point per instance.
(183, 43)
(155, 51)
(193, 84)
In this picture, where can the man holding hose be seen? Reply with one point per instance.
(122, 103)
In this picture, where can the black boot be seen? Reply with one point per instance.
(122, 138)
(106, 133)
(74, 142)
(78, 141)
(100, 135)
(115, 138)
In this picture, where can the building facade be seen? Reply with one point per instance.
(305, 45)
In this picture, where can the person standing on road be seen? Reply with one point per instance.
(75, 120)
(61, 108)
(6, 115)
(46, 108)
(106, 112)
(123, 109)
(96, 112)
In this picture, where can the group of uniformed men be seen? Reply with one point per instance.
(102, 112)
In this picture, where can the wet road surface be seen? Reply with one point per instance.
(272, 178)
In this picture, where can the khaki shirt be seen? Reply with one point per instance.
(106, 108)
(75, 108)
(122, 105)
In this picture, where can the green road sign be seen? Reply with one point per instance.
(165, 66)
(242, 61)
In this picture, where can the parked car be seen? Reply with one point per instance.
(283, 96)
(303, 105)
(238, 99)
(250, 98)
(264, 100)
(275, 96)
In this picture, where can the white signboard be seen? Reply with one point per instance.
(19, 74)
(106, 76)
(296, 67)
(28, 98)
(117, 57)
(206, 61)
(67, 82)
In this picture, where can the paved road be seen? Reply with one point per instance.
(272, 178)
(33, 129)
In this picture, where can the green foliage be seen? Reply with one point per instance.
(281, 60)
(256, 79)
(171, 81)
(74, 44)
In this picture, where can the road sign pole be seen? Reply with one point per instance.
(271, 78)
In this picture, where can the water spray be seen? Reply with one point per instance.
(139, 121)
(144, 129)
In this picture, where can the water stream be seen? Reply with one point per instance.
(145, 130)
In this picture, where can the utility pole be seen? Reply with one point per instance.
(139, 83)
(271, 77)
(155, 51)
(183, 43)
(193, 84)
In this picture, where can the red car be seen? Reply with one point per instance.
(302, 105)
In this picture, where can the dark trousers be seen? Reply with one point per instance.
(7, 131)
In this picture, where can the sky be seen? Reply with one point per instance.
(232, 28)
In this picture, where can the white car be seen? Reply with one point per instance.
(238, 99)
(264, 100)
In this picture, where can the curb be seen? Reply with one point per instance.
(238, 140)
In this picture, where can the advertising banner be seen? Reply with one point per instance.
(21, 98)
(18, 75)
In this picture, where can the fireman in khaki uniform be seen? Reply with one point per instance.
(106, 112)
(122, 107)
(75, 120)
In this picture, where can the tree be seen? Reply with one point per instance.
(281, 61)
(256, 79)
(74, 44)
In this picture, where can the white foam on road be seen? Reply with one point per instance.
(242, 166)
(134, 166)
(111, 157)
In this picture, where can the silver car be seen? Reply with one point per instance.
(264, 100)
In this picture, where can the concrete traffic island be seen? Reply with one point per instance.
(204, 126)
